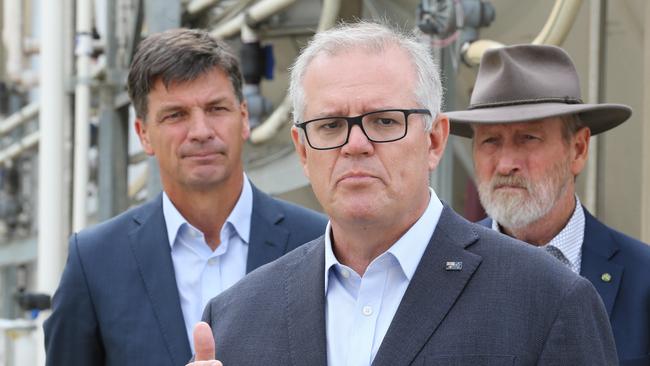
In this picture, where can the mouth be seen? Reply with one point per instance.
(508, 187)
(356, 178)
(208, 155)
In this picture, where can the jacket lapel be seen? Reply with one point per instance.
(432, 291)
(268, 240)
(598, 248)
(597, 266)
(150, 247)
(305, 307)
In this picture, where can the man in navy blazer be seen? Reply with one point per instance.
(530, 142)
(134, 286)
(398, 278)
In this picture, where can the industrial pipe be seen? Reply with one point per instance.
(559, 22)
(280, 116)
(51, 224)
(25, 114)
(12, 36)
(472, 52)
(597, 15)
(255, 14)
(269, 127)
(197, 6)
(554, 31)
(82, 114)
(17, 148)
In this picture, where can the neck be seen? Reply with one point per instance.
(543, 230)
(357, 248)
(207, 210)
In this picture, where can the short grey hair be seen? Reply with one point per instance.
(373, 37)
(572, 124)
(178, 55)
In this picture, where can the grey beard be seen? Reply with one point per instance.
(515, 210)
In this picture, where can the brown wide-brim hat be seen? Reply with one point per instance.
(531, 82)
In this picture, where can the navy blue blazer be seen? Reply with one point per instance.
(117, 302)
(627, 294)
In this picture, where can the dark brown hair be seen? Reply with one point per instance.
(178, 55)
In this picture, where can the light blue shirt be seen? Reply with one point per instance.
(359, 310)
(201, 273)
(569, 240)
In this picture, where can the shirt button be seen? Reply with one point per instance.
(345, 273)
(212, 261)
(367, 310)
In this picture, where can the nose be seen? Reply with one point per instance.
(508, 162)
(200, 128)
(358, 143)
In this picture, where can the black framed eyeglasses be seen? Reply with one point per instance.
(385, 125)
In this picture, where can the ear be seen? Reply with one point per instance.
(246, 128)
(438, 137)
(143, 135)
(301, 150)
(579, 150)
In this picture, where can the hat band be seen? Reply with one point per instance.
(566, 100)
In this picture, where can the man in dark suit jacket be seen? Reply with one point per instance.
(530, 141)
(399, 278)
(134, 286)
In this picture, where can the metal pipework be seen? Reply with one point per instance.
(12, 37)
(27, 113)
(51, 225)
(280, 115)
(197, 6)
(559, 22)
(595, 94)
(554, 31)
(18, 147)
(82, 114)
(251, 16)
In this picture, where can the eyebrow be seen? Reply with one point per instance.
(175, 107)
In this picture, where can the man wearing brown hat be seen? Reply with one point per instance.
(531, 134)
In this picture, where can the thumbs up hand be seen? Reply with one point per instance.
(204, 346)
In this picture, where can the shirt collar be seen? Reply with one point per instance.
(408, 249)
(569, 239)
(239, 218)
(173, 219)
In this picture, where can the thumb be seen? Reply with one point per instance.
(203, 342)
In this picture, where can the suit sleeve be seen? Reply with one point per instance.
(581, 333)
(71, 332)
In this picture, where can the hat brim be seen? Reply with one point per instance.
(598, 117)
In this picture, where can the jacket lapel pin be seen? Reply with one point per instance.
(453, 266)
(606, 277)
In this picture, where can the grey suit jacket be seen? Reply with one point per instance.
(509, 305)
(626, 294)
(118, 303)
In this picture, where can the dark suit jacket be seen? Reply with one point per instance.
(509, 305)
(627, 294)
(118, 303)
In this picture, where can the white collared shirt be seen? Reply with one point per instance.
(359, 310)
(569, 240)
(201, 273)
